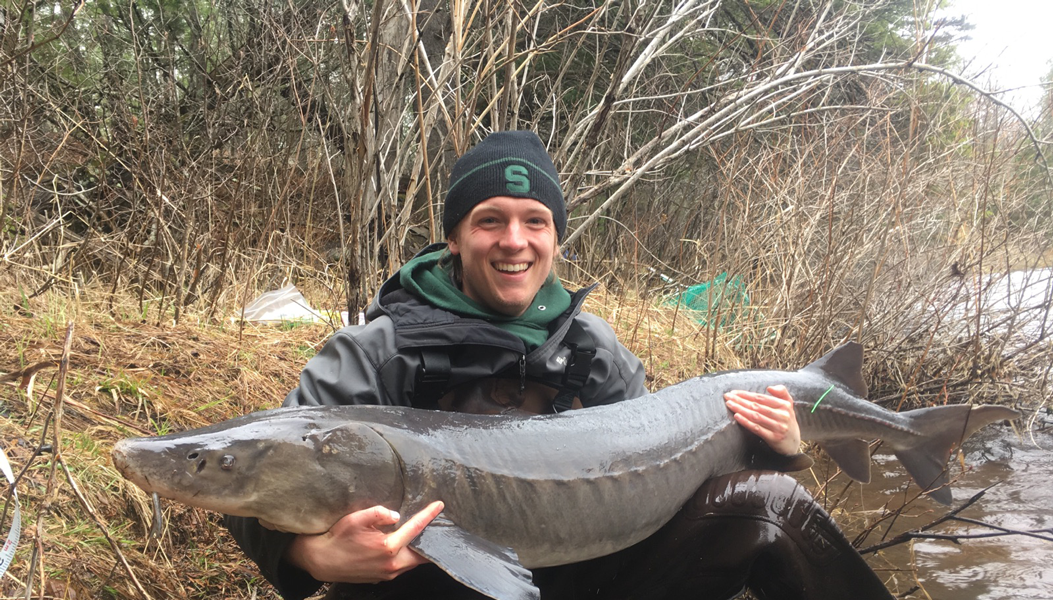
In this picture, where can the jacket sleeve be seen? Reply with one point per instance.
(345, 371)
(266, 548)
(616, 373)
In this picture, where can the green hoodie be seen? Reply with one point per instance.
(424, 277)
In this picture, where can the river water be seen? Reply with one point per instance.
(1016, 466)
(1019, 472)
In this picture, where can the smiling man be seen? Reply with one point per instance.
(503, 217)
(481, 324)
(504, 246)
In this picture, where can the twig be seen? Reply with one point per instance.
(917, 534)
(105, 533)
(698, 129)
(1035, 533)
(45, 41)
(914, 534)
(56, 451)
(26, 375)
(41, 448)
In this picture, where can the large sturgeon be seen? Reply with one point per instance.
(531, 491)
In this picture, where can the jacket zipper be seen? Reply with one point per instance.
(522, 373)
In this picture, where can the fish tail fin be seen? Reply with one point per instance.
(942, 429)
(985, 414)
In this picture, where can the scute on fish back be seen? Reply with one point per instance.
(531, 491)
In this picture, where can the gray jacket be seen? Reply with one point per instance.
(382, 362)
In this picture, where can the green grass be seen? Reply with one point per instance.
(161, 426)
(306, 351)
(126, 386)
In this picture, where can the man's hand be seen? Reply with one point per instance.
(357, 550)
(770, 416)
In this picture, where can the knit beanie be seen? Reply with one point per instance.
(505, 163)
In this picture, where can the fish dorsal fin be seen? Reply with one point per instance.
(843, 364)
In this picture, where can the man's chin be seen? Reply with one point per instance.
(510, 307)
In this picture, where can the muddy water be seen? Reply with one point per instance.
(995, 568)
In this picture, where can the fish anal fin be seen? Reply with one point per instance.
(852, 455)
(845, 365)
(482, 565)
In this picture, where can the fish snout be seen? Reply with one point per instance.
(119, 455)
(128, 459)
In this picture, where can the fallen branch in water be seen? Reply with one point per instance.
(920, 533)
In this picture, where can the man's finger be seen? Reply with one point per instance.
(774, 411)
(780, 391)
(757, 429)
(764, 421)
(773, 427)
(416, 524)
(772, 400)
(376, 516)
(778, 412)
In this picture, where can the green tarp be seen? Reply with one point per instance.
(715, 302)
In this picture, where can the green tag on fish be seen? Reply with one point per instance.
(816, 405)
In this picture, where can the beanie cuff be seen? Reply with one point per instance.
(509, 163)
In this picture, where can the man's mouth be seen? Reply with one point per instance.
(511, 268)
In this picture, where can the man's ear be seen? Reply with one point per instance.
(451, 244)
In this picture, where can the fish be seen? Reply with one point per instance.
(524, 492)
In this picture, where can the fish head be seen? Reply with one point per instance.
(292, 473)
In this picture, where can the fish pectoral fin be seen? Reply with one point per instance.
(852, 455)
(792, 462)
(766, 458)
(477, 563)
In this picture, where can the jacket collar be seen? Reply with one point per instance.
(416, 321)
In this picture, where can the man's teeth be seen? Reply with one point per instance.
(512, 268)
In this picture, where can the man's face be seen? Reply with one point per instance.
(506, 246)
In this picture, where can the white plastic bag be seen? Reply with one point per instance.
(281, 305)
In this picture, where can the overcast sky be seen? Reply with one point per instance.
(1013, 41)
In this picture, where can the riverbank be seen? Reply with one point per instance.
(130, 375)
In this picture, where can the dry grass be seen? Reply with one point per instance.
(128, 378)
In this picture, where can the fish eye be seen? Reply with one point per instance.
(227, 462)
(192, 456)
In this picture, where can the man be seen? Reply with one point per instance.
(483, 325)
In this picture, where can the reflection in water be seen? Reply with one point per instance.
(995, 568)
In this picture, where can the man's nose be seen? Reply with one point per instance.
(515, 236)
